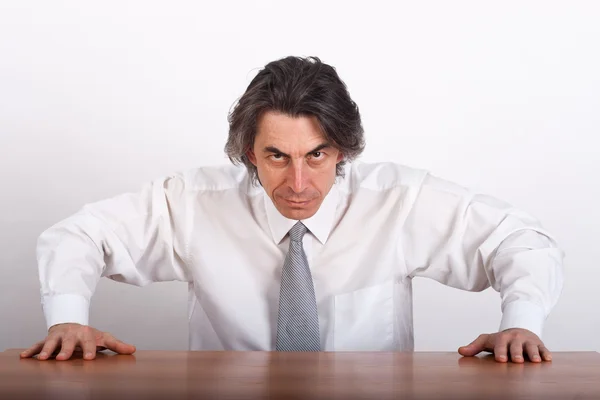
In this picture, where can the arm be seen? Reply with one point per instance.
(130, 238)
(472, 241)
(134, 238)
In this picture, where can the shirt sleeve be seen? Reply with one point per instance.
(472, 241)
(130, 238)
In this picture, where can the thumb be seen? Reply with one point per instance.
(125, 348)
(475, 347)
(111, 343)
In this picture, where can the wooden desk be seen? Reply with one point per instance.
(257, 375)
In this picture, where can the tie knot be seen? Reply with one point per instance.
(297, 232)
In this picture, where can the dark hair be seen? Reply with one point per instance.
(297, 87)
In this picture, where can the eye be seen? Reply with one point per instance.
(277, 157)
(317, 155)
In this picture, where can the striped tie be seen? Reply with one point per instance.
(298, 322)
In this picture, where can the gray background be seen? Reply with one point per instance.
(97, 98)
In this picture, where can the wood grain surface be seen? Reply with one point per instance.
(272, 375)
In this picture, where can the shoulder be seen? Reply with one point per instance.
(211, 179)
(382, 176)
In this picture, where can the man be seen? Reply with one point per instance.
(300, 248)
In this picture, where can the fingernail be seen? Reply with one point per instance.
(61, 355)
(43, 354)
(536, 358)
(88, 355)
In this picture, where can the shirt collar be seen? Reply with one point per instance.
(319, 224)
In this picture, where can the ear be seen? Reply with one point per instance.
(251, 156)
(340, 157)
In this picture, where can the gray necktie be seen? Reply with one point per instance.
(298, 322)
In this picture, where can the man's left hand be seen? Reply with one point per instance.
(516, 343)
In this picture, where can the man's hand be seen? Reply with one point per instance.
(515, 342)
(75, 337)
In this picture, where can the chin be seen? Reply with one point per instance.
(298, 213)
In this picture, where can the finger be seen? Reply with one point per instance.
(67, 347)
(119, 347)
(33, 350)
(545, 353)
(533, 352)
(49, 347)
(88, 346)
(501, 349)
(475, 347)
(516, 351)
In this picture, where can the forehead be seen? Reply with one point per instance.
(287, 133)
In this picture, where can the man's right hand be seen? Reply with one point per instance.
(69, 338)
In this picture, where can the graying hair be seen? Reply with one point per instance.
(296, 87)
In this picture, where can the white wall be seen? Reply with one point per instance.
(97, 98)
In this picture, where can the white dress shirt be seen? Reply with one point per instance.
(379, 226)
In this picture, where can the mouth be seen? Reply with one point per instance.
(298, 204)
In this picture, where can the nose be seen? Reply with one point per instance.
(298, 176)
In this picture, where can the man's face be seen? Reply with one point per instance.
(296, 165)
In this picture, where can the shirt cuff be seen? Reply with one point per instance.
(66, 308)
(525, 315)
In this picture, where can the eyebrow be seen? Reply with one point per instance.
(275, 150)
